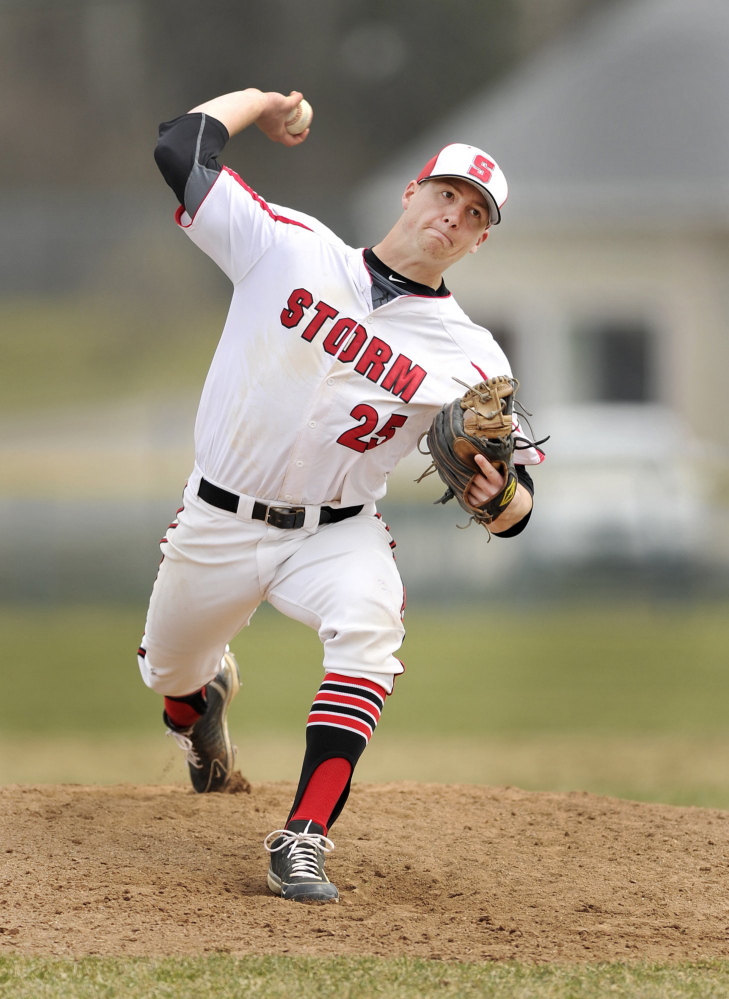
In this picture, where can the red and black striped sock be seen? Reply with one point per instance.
(343, 717)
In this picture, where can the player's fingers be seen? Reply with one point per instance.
(294, 140)
(486, 484)
(293, 100)
(487, 469)
(477, 496)
(482, 490)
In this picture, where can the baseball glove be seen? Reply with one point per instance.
(478, 423)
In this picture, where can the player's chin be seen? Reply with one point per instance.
(434, 247)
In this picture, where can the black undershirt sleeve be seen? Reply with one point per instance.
(186, 156)
(526, 480)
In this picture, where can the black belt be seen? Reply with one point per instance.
(287, 518)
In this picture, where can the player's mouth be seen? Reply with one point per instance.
(446, 239)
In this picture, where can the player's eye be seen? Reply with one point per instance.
(448, 194)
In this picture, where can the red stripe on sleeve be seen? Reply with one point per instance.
(261, 202)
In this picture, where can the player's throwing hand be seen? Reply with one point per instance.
(277, 110)
(270, 111)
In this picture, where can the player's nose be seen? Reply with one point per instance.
(452, 218)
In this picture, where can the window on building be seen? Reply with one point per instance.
(616, 362)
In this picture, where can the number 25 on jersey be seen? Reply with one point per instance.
(358, 438)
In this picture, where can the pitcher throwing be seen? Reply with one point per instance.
(332, 363)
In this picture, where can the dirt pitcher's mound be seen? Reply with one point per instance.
(454, 872)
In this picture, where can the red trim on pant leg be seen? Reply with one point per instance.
(323, 791)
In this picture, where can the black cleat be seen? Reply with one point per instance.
(208, 750)
(297, 863)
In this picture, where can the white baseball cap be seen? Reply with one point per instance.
(475, 166)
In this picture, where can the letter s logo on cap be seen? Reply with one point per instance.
(482, 167)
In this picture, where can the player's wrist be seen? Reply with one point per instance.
(517, 510)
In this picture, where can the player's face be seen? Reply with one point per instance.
(446, 217)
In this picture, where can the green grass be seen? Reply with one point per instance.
(656, 671)
(222, 977)
(60, 351)
(630, 703)
(670, 769)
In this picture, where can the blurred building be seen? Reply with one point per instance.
(606, 284)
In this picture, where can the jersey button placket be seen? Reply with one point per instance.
(310, 441)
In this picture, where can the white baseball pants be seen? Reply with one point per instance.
(340, 579)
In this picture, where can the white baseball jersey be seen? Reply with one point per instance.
(314, 394)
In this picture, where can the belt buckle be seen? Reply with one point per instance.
(286, 518)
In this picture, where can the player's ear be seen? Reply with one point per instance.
(481, 239)
(408, 193)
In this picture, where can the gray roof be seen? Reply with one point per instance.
(624, 120)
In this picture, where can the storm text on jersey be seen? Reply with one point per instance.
(348, 341)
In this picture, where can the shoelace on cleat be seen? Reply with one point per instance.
(185, 744)
(304, 852)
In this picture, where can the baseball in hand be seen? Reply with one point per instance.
(300, 118)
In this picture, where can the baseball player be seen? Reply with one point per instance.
(332, 363)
